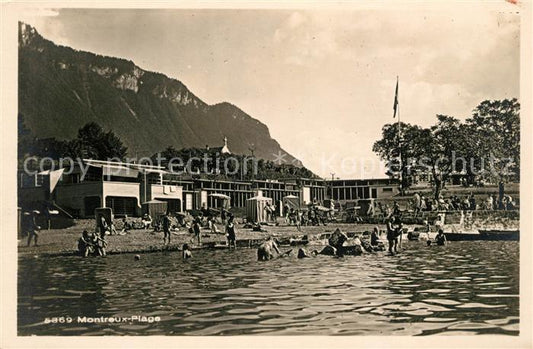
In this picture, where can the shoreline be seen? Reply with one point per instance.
(62, 242)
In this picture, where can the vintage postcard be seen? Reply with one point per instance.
(197, 174)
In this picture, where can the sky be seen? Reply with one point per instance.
(321, 79)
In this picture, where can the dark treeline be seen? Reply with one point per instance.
(92, 142)
(229, 166)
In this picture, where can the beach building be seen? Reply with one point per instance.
(343, 190)
(93, 183)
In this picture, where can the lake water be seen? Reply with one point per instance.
(463, 288)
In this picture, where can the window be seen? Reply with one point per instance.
(387, 189)
(121, 205)
(153, 178)
(39, 180)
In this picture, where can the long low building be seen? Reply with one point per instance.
(344, 190)
(124, 187)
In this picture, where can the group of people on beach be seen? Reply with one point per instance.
(492, 202)
(269, 249)
(91, 244)
(270, 212)
(395, 230)
(195, 229)
(300, 218)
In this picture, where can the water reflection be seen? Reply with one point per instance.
(466, 287)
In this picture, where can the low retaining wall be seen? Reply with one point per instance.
(472, 219)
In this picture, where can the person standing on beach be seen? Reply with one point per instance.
(230, 233)
(501, 193)
(472, 202)
(47, 217)
(417, 201)
(197, 231)
(103, 226)
(287, 211)
(166, 228)
(274, 213)
(266, 209)
(33, 228)
(423, 206)
(489, 205)
(293, 215)
(494, 202)
(396, 208)
(224, 215)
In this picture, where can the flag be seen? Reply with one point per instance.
(395, 106)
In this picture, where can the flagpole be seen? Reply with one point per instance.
(399, 133)
(400, 152)
(396, 108)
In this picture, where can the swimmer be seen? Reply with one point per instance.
(374, 238)
(440, 239)
(186, 254)
(302, 253)
(85, 245)
(391, 236)
(99, 245)
(266, 250)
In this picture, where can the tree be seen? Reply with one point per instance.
(422, 150)
(445, 145)
(398, 154)
(25, 140)
(496, 126)
(111, 147)
(94, 143)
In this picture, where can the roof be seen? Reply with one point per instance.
(217, 195)
(259, 198)
(222, 150)
(100, 163)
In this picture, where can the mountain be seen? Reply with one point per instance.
(62, 89)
